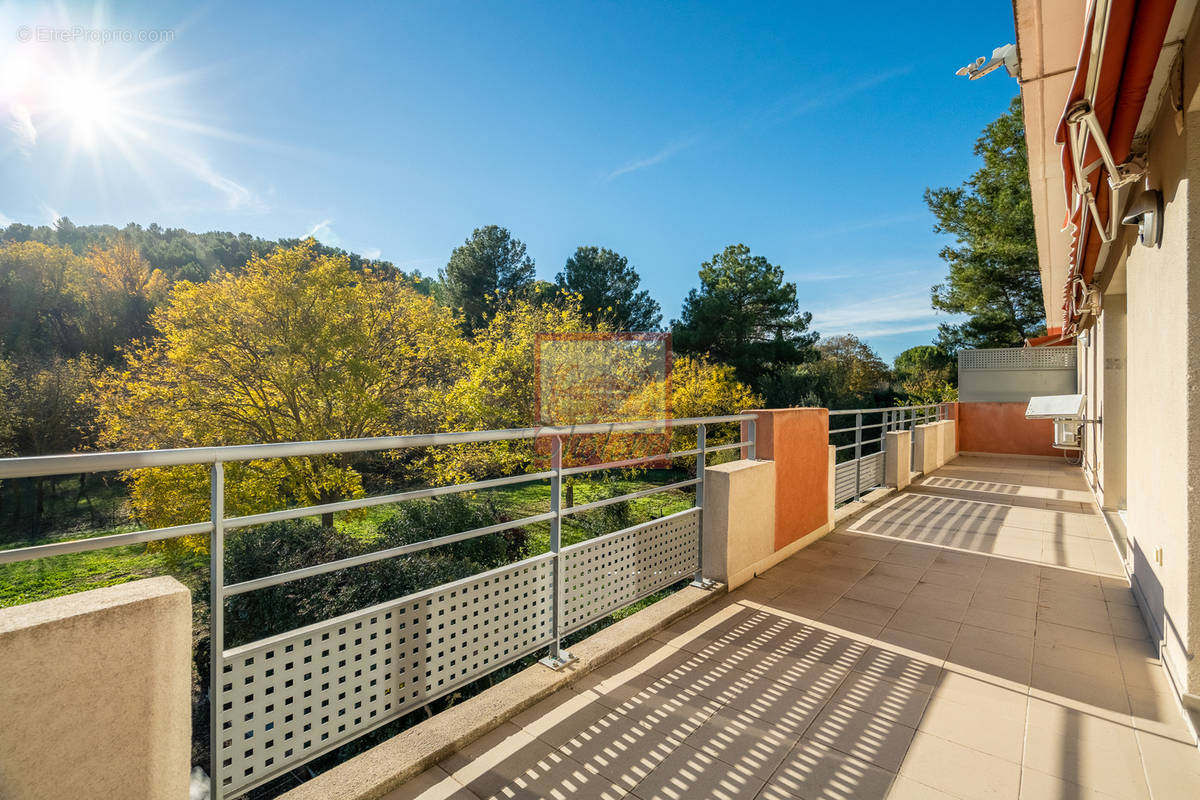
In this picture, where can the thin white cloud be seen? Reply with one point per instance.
(50, 214)
(5, 220)
(805, 101)
(886, 315)
(372, 253)
(659, 157)
(237, 197)
(860, 225)
(324, 233)
(20, 124)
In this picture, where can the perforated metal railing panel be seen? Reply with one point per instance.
(1018, 358)
(612, 571)
(294, 696)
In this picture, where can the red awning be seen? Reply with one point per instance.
(1110, 85)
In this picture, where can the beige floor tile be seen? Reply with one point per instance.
(1002, 735)
(1172, 767)
(1105, 697)
(886, 664)
(1052, 634)
(1026, 609)
(1015, 645)
(1091, 751)
(1095, 665)
(949, 580)
(557, 718)
(1037, 785)
(990, 665)
(432, 784)
(851, 626)
(875, 595)
(860, 610)
(623, 750)
(1076, 615)
(934, 609)
(988, 619)
(990, 697)
(926, 648)
(813, 771)
(689, 773)
(862, 734)
(941, 594)
(745, 741)
(960, 771)
(1129, 628)
(1159, 714)
(924, 624)
(509, 762)
(901, 703)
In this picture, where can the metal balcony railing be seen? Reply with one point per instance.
(859, 465)
(281, 701)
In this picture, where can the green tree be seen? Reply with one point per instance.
(849, 374)
(994, 274)
(297, 347)
(488, 268)
(609, 290)
(926, 374)
(747, 316)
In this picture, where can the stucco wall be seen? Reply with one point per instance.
(739, 520)
(95, 694)
(1002, 428)
(797, 440)
(1163, 433)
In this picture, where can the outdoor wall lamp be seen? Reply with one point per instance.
(1146, 212)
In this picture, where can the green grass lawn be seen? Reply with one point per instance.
(43, 578)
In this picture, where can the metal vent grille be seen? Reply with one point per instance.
(612, 571)
(293, 696)
(1018, 358)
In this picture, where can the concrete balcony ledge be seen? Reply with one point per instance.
(382, 769)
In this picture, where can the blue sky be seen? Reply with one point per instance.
(662, 131)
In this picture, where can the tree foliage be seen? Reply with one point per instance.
(745, 315)
(848, 374)
(296, 347)
(608, 288)
(993, 274)
(487, 269)
(926, 374)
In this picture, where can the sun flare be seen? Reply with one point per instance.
(87, 105)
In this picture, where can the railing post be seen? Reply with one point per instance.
(557, 658)
(857, 456)
(216, 625)
(701, 445)
(752, 438)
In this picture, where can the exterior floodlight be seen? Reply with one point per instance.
(1005, 56)
(1146, 212)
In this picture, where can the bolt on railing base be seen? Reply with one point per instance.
(703, 583)
(559, 661)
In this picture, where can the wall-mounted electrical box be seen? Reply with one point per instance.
(1066, 411)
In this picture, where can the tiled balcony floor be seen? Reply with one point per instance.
(970, 638)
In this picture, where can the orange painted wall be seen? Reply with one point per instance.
(797, 440)
(1002, 428)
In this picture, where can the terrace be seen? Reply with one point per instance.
(971, 636)
(960, 626)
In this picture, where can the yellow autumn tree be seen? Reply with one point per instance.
(498, 390)
(296, 347)
(700, 388)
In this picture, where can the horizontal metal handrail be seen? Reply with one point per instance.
(379, 500)
(16, 554)
(379, 555)
(628, 496)
(72, 463)
(881, 410)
